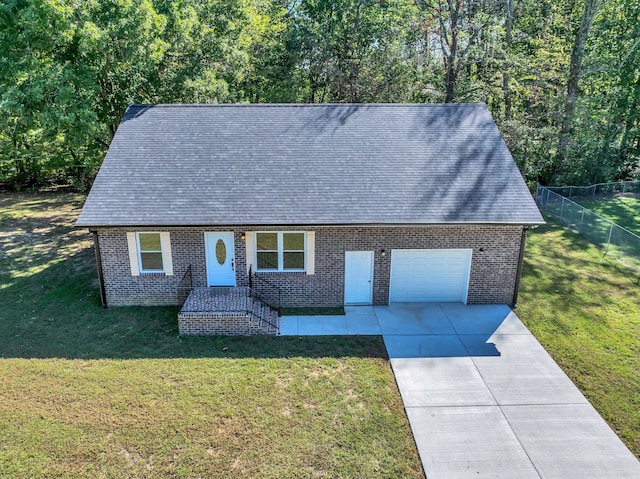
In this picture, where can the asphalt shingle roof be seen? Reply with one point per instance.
(183, 165)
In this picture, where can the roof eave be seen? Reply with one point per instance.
(306, 225)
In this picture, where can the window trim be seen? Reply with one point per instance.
(139, 250)
(281, 251)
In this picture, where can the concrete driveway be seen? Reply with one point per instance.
(483, 398)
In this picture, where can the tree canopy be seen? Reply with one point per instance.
(562, 78)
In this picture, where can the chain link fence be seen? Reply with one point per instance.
(591, 192)
(613, 239)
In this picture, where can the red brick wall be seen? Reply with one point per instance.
(227, 325)
(492, 280)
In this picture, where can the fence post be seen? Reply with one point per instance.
(624, 187)
(609, 240)
(581, 221)
(570, 192)
(593, 197)
(562, 208)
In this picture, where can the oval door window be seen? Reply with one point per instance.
(221, 252)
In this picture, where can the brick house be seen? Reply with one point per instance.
(330, 204)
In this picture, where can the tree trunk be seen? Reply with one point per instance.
(313, 85)
(450, 79)
(354, 58)
(451, 49)
(506, 65)
(112, 132)
(591, 8)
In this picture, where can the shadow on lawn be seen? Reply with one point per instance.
(56, 314)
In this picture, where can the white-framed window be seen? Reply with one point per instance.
(281, 250)
(150, 253)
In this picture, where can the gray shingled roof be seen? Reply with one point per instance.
(182, 165)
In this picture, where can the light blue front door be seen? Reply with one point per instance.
(220, 256)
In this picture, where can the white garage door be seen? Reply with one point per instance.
(429, 275)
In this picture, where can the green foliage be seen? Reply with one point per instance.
(605, 144)
(354, 50)
(69, 68)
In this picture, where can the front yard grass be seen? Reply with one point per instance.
(92, 393)
(585, 310)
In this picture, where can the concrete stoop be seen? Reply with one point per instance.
(207, 312)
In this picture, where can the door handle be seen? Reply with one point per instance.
(232, 266)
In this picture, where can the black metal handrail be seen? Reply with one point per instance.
(265, 291)
(185, 286)
(260, 317)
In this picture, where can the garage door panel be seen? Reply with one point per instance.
(429, 275)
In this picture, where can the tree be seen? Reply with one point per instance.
(353, 50)
(537, 62)
(561, 78)
(44, 118)
(69, 69)
(603, 140)
(461, 35)
(591, 8)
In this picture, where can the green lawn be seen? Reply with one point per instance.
(622, 210)
(585, 309)
(92, 393)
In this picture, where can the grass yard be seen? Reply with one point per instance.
(92, 393)
(585, 310)
(623, 210)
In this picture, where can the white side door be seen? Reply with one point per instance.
(358, 277)
(220, 257)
